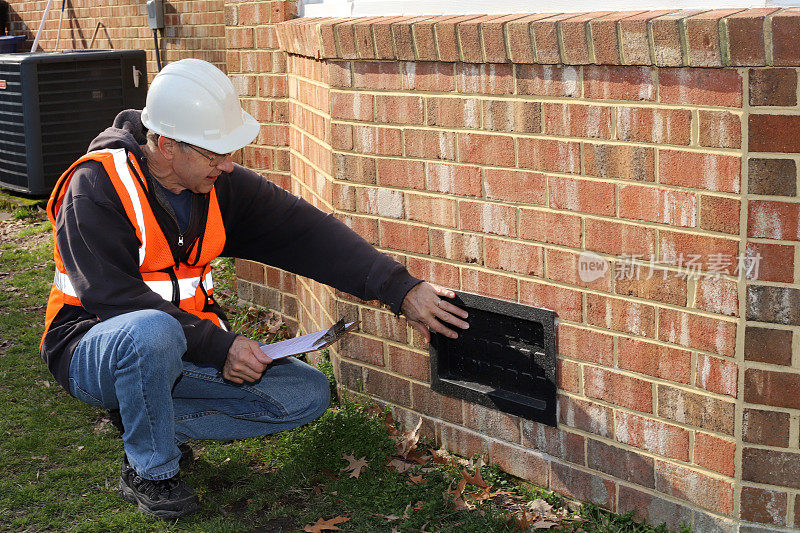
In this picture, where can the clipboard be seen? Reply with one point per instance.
(309, 342)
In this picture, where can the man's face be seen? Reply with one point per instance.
(197, 169)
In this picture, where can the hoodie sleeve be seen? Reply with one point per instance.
(100, 252)
(265, 223)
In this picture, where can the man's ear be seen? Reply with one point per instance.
(167, 147)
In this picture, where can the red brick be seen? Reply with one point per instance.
(492, 423)
(488, 218)
(585, 416)
(565, 302)
(507, 115)
(635, 163)
(763, 506)
(775, 261)
(653, 509)
(619, 83)
(766, 345)
(408, 363)
(634, 39)
(619, 239)
(719, 214)
(239, 37)
(582, 485)
(342, 137)
(462, 180)
(618, 389)
(453, 112)
(547, 80)
(354, 168)
(775, 304)
(550, 227)
(446, 38)
(620, 315)
(698, 170)
(773, 220)
(676, 208)
(462, 442)
(377, 75)
(366, 227)
(250, 271)
(346, 37)
(582, 195)
(431, 209)
(344, 197)
(698, 86)
(526, 464)
(746, 37)
(693, 251)
(574, 38)
(362, 349)
(462, 247)
(697, 410)
(384, 43)
(514, 257)
(652, 435)
(774, 133)
(771, 467)
(398, 109)
(351, 106)
(666, 34)
(717, 375)
(770, 428)
(786, 37)
(382, 141)
(401, 173)
(703, 31)
(383, 325)
(568, 376)
(549, 155)
(715, 453)
(577, 120)
(655, 360)
(382, 202)
(554, 442)
(484, 78)
(406, 237)
(521, 49)
(429, 144)
(765, 387)
(620, 463)
(424, 40)
(494, 285)
(403, 37)
(429, 402)
(564, 266)
(426, 76)
(652, 125)
(394, 389)
(486, 149)
(494, 42)
(720, 129)
(605, 41)
(545, 35)
(434, 271)
(773, 87)
(695, 487)
(585, 344)
(515, 186)
(717, 295)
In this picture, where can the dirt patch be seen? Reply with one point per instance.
(10, 230)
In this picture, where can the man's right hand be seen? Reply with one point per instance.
(245, 362)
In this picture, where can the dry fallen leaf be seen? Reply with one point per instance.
(543, 524)
(388, 421)
(355, 466)
(400, 466)
(476, 480)
(416, 480)
(408, 441)
(325, 525)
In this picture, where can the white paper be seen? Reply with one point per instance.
(297, 345)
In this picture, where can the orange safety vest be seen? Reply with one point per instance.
(192, 286)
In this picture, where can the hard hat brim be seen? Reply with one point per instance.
(234, 140)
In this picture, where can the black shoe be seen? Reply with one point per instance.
(166, 499)
(187, 455)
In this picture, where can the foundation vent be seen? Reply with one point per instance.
(506, 360)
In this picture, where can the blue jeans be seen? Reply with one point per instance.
(132, 362)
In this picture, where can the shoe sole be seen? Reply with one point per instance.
(128, 495)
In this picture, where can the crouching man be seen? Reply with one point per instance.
(132, 325)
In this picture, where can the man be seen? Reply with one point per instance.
(132, 324)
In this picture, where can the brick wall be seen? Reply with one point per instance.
(487, 152)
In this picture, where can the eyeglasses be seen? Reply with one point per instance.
(213, 160)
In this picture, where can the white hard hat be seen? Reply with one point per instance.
(193, 101)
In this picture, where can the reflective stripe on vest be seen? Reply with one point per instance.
(187, 287)
(124, 173)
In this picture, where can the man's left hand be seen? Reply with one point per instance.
(426, 311)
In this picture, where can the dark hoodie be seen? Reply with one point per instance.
(262, 222)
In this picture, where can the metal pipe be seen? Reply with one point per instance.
(94, 35)
(41, 25)
(60, 18)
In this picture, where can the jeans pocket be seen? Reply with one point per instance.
(82, 395)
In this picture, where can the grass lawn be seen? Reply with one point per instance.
(60, 458)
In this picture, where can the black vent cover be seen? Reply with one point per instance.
(506, 360)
